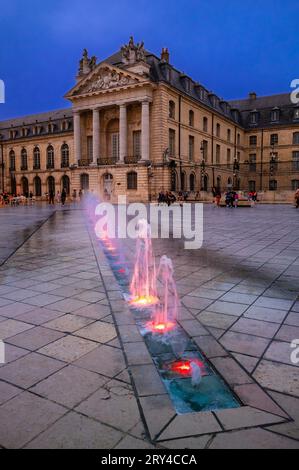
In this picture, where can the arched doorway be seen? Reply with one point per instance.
(205, 182)
(183, 181)
(84, 181)
(13, 184)
(173, 181)
(65, 184)
(37, 185)
(218, 183)
(108, 185)
(24, 186)
(192, 182)
(51, 184)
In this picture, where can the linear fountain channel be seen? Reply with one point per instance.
(191, 381)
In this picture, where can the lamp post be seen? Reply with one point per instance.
(271, 164)
(2, 164)
(202, 165)
(236, 168)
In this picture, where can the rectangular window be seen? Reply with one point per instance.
(251, 185)
(205, 150)
(252, 162)
(191, 148)
(296, 138)
(253, 140)
(228, 135)
(295, 185)
(171, 142)
(295, 165)
(228, 157)
(89, 148)
(273, 139)
(205, 124)
(217, 153)
(115, 145)
(137, 144)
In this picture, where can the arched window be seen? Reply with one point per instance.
(65, 156)
(191, 118)
(173, 181)
(192, 182)
(24, 165)
(24, 186)
(51, 184)
(84, 181)
(50, 157)
(132, 180)
(172, 109)
(37, 184)
(229, 182)
(218, 184)
(218, 129)
(65, 184)
(205, 124)
(12, 160)
(36, 158)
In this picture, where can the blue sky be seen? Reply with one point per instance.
(231, 46)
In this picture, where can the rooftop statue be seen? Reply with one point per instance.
(132, 52)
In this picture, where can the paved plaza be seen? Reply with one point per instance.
(77, 371)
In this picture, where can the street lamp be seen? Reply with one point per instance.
(236, 168)
(202, 165)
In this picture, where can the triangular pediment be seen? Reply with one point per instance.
(103, 78)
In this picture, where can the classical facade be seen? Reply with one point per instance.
(137, 125)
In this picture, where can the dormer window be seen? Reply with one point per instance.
(51, 127)
(296, 114)
(13, 134)
(275, 115)
(65, 125)
(253, 117)
(186, 83)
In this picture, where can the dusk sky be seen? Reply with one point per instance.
(232, 47)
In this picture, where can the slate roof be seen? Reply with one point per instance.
(238, 111)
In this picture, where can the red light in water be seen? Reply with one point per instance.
(121, 270)
(184, 367)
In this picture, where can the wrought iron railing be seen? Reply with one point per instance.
(132, 158)
(84, 162)
(106, 161)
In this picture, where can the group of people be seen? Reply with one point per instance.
(15, 200)
(62, 197)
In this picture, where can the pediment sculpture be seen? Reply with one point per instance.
(107, 80)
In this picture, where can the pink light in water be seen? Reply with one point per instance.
(161, 327)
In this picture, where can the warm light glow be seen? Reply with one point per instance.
(160, 327)
(121, 270)
(184, 367)
(144, 301)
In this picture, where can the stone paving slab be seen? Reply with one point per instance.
(243, 294)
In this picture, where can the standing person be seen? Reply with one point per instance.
(51, 197)
(74, 196)
(214, 192)
(297, 198)
(63, 196)
(218, 197)
(80, 195)
(236, 200)
(58, 197)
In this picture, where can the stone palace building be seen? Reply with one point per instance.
(137, 125)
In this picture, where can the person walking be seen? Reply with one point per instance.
(63, 196)
(297, 198)
(51, 197)
(236, 200)
(74, 196)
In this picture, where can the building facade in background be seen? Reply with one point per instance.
(137, 125)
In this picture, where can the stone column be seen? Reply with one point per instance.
(77, 137)
(145, 124)
(95, 136)
(122, 132)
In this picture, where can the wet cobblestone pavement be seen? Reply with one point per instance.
(77, 373)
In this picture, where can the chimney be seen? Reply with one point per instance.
(252, 95)
(165, 55)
